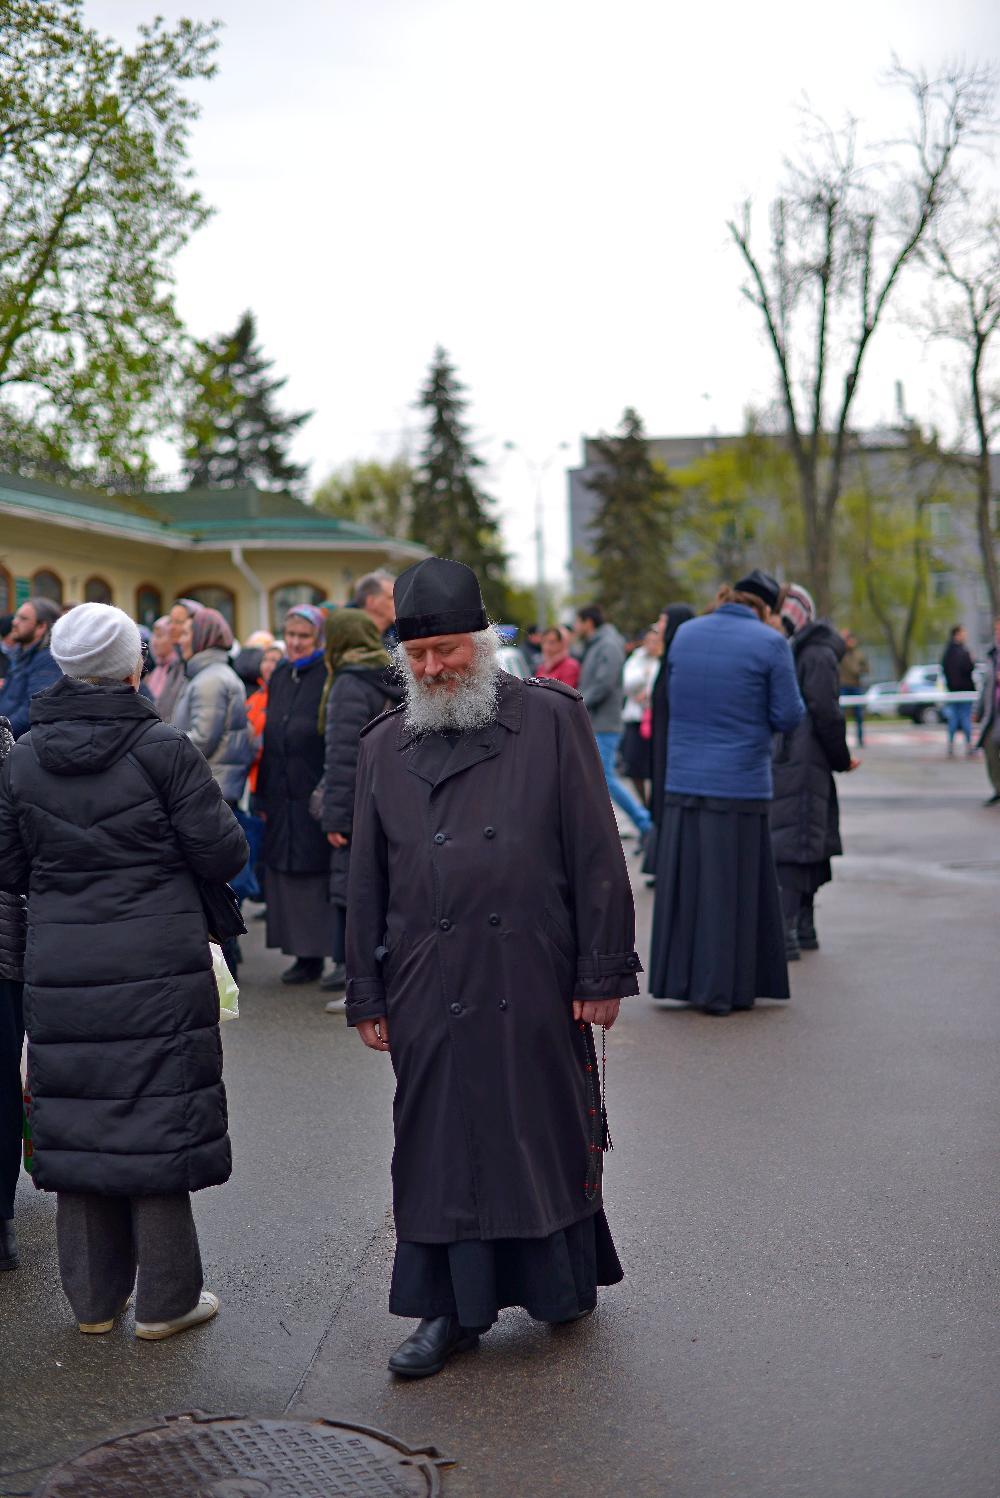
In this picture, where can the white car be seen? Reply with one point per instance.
(871, 703)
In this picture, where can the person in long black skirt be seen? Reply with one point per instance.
(718, 934)
(805, 813)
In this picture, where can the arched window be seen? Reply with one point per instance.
(287, 595)
(148, 604)
(214, 596)
(6, 591)
(46, 584)
(96, 590)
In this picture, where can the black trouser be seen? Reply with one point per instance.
(11, 1124)
(794, 900)
(103, 1240)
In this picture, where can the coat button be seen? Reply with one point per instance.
(456, 1008)
(503, 1003)
(494, 920)
(489, 832)
(440, 838)
(445, 924)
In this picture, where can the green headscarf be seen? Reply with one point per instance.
(352, 639)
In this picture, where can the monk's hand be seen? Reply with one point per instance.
(596, 1011)
(374, 1033)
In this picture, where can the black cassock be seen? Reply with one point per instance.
(488, 889)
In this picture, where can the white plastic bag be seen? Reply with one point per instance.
(229, 994)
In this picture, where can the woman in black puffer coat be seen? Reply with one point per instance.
(805, 812)
(360, 685)
(12, 932)
(108, 819)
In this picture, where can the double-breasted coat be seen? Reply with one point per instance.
(488, 889)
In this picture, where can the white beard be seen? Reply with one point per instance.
(470, 703)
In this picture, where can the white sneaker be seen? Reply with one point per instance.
(155, 1331)
(336, 1006)
(97, 1328)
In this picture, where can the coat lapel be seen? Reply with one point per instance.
(434, 760)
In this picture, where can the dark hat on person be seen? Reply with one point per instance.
(762, 585)
(438, 597)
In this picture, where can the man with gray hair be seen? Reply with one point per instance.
(373, 593)
(33, 668)
(490, 924)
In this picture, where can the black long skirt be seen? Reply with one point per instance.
(718, 934)
(553, 1278)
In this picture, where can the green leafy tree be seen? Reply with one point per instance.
(234, 434)
(379, 495)
(451, 514)
(95, 201)
(633, 561)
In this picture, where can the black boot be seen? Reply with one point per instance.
(427, 1350)
(8, 1245)
(792, 951)
(304, 970)
(808, 940)
(335, 980)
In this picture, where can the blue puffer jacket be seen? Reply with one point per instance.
(732, 685)
(31, 672)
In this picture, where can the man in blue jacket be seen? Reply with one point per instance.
(32, 669)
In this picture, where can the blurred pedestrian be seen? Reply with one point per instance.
(246, 661)
(555, 660)
(270, 657)
(637, 683)
(601, 669)
(853, 672)
(12, 935)
(718, 933)
(7, 646)
(182, 611)
(805, 812)
(211, 710)
(533, 648)
(360, 685)
(167, 663)
(958, 667)
(32, 667)
(296, 855)
(670, 621)
(490, 926)
(113, 817)
(373, 594)
(988, 715)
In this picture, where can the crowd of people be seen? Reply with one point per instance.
(379, 786)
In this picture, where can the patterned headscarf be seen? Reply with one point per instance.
(209, 631)
(798, 609)
(315, 616)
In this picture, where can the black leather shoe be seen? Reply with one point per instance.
(792, 951)
(577, 1316)
(808, 940)
(335, 980)
(427, 1350)
(304, 970)
(8, 1245)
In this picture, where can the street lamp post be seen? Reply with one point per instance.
(538, 468)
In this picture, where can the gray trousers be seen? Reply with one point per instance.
(992, 751)
(103, 1240)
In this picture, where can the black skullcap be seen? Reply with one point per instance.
(438, 597)
(762, 585)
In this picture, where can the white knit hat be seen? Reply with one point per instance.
(95, 639)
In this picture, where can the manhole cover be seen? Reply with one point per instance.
(228, 1456)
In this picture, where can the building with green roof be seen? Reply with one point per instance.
(247, 552)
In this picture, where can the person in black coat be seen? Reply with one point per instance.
(12, 934)
(805, 812)
(360, 685)
(296, 854)
(490, 925)
(108, 820)
(959, 676)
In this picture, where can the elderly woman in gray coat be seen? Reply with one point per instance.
(212, 708)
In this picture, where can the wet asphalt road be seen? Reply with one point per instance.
(804, 1198)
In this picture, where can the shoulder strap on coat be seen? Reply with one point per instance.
(553, 685)
(389, 712)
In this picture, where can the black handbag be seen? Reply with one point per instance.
(219, 901)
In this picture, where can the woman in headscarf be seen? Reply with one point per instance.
(805, 812)
(166, 661)
(182, 611)
(360, 685)
(670, 621)
(296, 854)
(718, 938)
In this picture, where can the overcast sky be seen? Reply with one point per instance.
(539, 185)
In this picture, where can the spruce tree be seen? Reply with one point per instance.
(450, 514)
(633, 529)
(234, 433)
